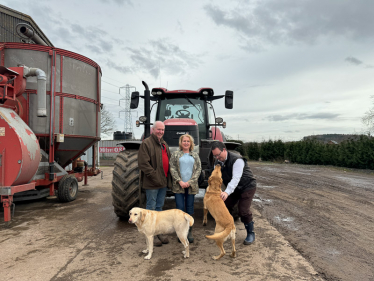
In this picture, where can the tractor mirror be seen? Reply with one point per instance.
(229, 99)
(134, 100)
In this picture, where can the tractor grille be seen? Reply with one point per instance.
(173, 133)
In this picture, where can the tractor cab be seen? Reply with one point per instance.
(185, 111)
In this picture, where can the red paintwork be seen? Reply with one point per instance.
(180, 121)
(16, 87)
(20, 148)
(216, 134)
(181, 91)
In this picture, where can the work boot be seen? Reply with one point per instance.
(189, 236)
(250, 234)
(163, 239)
(157, 242)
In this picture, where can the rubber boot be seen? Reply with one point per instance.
(157, 242)
(163, 239)
(250, 234)
(189, 236)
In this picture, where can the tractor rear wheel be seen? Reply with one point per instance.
(125, 183)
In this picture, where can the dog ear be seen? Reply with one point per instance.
(142, 216)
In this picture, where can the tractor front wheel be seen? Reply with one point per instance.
(125, 183)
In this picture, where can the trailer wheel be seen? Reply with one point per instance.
(67, 188)
(125, 183)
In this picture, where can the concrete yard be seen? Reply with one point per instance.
(84, 240)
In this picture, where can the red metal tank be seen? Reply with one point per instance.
(19, 150)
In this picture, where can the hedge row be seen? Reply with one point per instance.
(357, 153)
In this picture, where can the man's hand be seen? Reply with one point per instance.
(224, 195)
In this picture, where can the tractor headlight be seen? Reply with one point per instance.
(154, 93)
(159, 93)
(205, 93)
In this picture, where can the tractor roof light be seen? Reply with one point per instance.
(142, 119)
(137, 123)
(219, 120)
(154, 93)
(159, 93)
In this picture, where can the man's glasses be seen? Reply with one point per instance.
(216, 156)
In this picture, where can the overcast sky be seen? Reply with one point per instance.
(297, 68)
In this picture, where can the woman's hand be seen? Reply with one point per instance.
(184, 184)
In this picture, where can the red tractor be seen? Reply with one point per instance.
(183, 111)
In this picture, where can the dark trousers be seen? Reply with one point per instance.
(244, 205)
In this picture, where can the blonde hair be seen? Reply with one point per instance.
(192, 144)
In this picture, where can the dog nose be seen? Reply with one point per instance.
(130, 221)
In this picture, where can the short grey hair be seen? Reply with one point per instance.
(157, 122)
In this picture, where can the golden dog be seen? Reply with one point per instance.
(225, 227)
(152, 223)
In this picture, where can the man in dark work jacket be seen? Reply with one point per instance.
(240, 185)
(153, 161)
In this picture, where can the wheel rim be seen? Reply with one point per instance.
(73, 188)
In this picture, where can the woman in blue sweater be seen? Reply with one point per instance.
(185, 169)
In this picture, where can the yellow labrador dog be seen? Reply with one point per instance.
(153, 223)
(225, 227)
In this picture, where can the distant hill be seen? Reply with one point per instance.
(332, 137)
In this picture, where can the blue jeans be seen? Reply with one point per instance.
(185, 201)
(155, 199)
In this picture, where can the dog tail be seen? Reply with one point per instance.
(189, 219)
(220, 235)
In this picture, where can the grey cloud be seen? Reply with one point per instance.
(94, 48)
(180, 27)
(120, 68)
(286, 22)
(119, 2)
(165, 56)
(296, 131)
(353, 60)
(301, 116)
(95, 36)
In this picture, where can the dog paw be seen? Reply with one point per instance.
(145, 251)
(216, 258)
(185, 255)
(147, 257)
(233, 255)
(204, 223)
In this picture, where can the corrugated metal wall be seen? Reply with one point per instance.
(8, 21)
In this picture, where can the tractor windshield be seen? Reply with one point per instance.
(184, 107)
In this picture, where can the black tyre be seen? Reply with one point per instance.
(125, 183)
(67, 188)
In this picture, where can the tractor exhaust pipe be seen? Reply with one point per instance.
(42, 88)
(29, 32)
(147, 110)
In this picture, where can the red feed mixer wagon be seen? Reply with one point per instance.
(49, 116)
